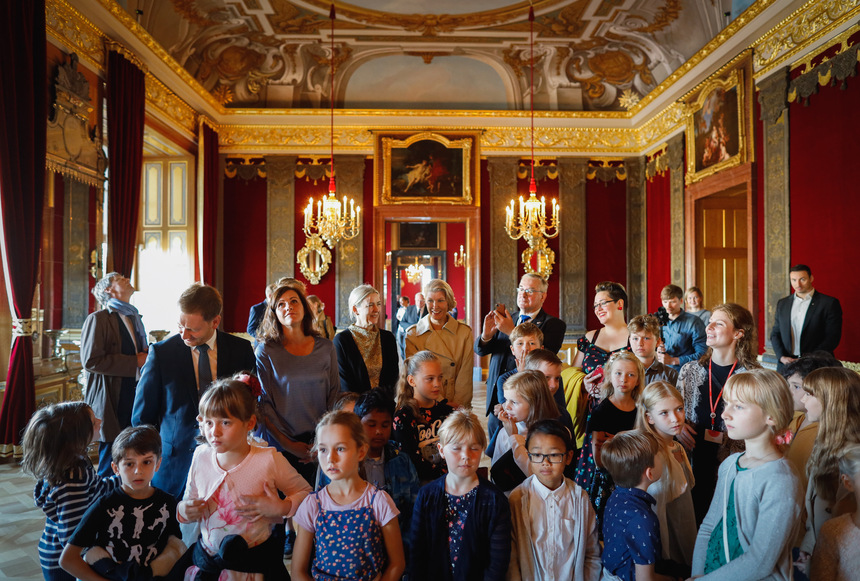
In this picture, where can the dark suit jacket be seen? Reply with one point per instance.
(353, 371)
(822, 327)
(499, 347)
(167, 398)
(255, 317)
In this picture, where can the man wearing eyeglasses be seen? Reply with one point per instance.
(494, 340)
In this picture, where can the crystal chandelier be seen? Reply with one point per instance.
(530, 221)
(415, 272)
(334, 221)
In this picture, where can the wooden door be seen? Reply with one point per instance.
(721, 247)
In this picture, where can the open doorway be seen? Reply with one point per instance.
(720, 254)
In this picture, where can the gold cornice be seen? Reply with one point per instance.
(114, 46)
(143, 36)
(805, 64)
(74, 31)
(802, 28)
(163, 100)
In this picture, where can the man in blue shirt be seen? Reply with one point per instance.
(684, 334)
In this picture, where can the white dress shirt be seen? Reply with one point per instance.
(551, 513)
(799, 308)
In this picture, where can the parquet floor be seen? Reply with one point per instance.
(21, 522)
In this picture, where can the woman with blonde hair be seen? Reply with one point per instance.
(366, 355)
(731, 340)
(833, 398)
(449, 339)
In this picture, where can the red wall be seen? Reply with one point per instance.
(824, 149)
(244, 244)
(481, 279)
(606, 237)
(658, 237)
(455, 234)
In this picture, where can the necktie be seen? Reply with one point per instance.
(523, 319)
(204, 370)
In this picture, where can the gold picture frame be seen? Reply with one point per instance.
(313, 259)
(426, 167)
(719, 121)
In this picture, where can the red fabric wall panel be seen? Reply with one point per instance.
(825, 145)
(325, 290)
(244, 244)
(367, 225)
(658, 237)
(606, 237)
(455, 234)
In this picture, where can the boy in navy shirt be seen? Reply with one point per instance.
(631, 531)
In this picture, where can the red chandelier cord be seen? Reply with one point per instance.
(532, 184)
(331, 15)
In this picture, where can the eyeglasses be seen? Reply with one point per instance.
(556, 458)
(603, 304)
(528, 291)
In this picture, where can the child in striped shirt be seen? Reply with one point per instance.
(55, 453)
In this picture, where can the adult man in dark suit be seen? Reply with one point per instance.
(805, 322)
(255, 316)
(494, 340)
(113, 349)
(177, 371)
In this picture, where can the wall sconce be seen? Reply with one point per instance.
(461, 259)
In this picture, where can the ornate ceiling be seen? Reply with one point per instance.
(590, 55)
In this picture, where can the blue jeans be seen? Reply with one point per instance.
(104, 470)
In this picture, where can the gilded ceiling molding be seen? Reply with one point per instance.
(804, 27)
(843, 41)
(163, 100)
(74, 31)
(836, 68)
(126, 20)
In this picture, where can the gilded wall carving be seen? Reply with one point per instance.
(75, 32)
(637, 255)
(676, 207)
(777, 224)
(169, 105)
(504, 262)
(572, 310)
(349, 267)
(280, 212)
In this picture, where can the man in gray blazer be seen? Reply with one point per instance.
(113, 349)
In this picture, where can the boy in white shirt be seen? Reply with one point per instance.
(553, 526)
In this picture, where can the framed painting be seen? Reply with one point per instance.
(426, 167)
(719, 117)
(419, 235)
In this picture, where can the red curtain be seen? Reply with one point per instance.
(659, 236)
(23, 123)
(126, 102)
(209, 146)
(605, 238)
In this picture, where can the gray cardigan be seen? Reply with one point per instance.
(768, 505)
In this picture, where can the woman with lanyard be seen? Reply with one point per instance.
(731, 349)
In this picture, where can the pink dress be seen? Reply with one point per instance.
(221, 489)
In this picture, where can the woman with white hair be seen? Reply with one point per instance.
(366, 354)
(449, 339)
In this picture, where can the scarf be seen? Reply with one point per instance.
(133, 314)
(369, 345)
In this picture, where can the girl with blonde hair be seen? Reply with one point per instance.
(833, 398)
(754, 515)
(660, 411)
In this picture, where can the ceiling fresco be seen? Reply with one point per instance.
(590, 55)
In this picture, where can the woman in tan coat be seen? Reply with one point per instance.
(449, 339)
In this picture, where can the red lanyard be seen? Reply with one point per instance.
(711, 401)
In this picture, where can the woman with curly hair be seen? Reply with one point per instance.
(731, 341)
(833, 398)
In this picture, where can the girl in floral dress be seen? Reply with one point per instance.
(232, 490)
(347, 530)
